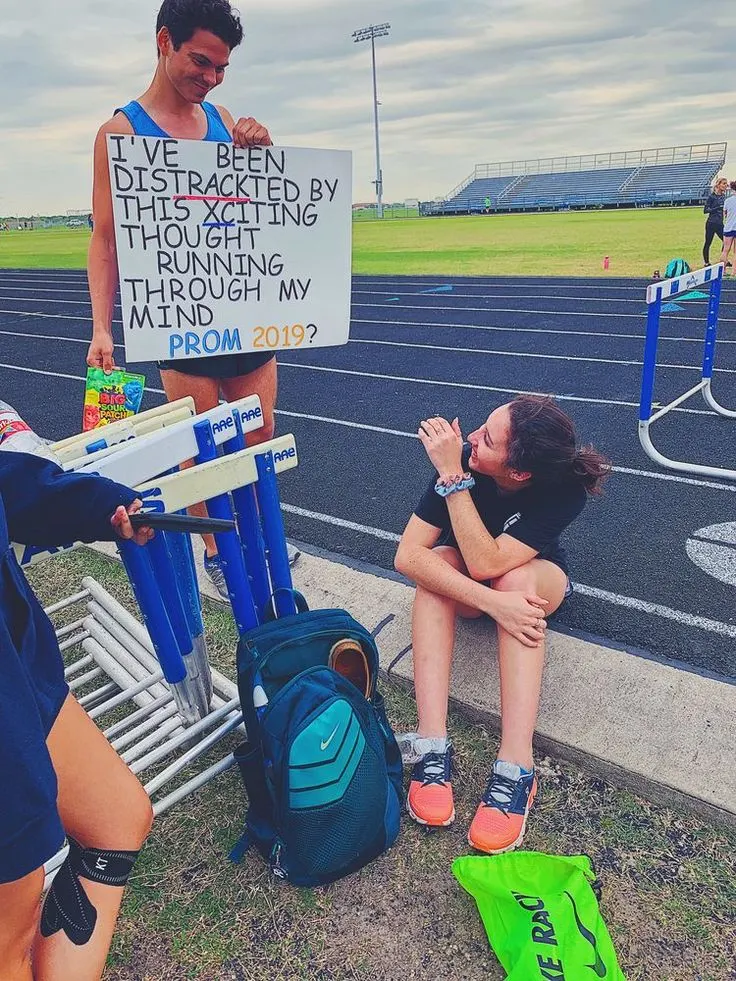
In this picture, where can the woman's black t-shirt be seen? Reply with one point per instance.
(536, 515)
(714, 208)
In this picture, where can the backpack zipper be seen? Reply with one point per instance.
(276, 867)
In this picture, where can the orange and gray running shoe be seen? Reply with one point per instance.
(430, 798)
(500, 821)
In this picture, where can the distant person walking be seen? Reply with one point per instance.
(729, 227)
(714, 210)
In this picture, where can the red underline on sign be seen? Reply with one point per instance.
(209, 197)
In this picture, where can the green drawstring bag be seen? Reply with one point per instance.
(541, 915)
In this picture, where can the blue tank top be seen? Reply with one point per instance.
(143, 125)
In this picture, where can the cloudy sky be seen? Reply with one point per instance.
(462, 82)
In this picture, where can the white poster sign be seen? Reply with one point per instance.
(224, 250)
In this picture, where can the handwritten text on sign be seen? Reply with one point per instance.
(224, 250)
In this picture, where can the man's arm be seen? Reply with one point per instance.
(102, 259)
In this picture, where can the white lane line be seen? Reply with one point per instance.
(75, 276)
(536, 311)
(84, 291)
(349, 424)
(479, 388)
(676, 478)
(416, 381)
(41, 289)
(656, 609)
(492, 282)
(522, 296)
(420, 325)
(528, 354)
(61, 374)
(51, 337)
(30, 299)
(629, 602)
(51, 316)
(503, 296)
(427, 347)
(387, 536)
(413, 306)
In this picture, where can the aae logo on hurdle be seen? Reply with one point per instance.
(671, 287)
(284, 455)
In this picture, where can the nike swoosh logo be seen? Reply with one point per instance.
(323, 746)
(599, 968)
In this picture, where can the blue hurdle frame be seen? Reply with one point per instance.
(657, 293)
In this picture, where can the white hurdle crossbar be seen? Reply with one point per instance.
(119, 432)
(657, 293)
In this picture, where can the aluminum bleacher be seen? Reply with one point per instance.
(641, 178)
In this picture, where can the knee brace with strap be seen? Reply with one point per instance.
(67, 905)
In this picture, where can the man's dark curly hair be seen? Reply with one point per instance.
(183, 17)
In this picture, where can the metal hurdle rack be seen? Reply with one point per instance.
(149, 685)
(657, 294)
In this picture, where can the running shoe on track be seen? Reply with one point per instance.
(500, 821)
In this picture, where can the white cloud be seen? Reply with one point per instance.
(461, 83)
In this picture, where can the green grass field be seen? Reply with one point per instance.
(564, 244)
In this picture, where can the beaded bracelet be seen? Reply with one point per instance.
(449, 485)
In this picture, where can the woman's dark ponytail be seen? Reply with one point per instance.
(542, 442)
(591, 469)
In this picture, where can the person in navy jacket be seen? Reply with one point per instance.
(61, 780)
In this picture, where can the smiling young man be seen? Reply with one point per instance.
(484, 539)
(194, 41)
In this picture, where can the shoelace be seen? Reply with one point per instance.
(500, 792)
(433, 769)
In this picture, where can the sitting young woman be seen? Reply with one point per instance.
(484, 539)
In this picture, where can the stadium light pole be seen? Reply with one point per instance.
(370, 34)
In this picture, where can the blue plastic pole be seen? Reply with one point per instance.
(709, 350)
(228, 543)
(249, 526)
(137, 563)
(180, 549)
(163, 570)
(650, 360)
(273, 528)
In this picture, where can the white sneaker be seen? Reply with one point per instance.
(293, 552)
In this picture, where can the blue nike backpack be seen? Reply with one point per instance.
(321, 767)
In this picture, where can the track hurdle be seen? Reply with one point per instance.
(118, 432)
(145, 672)
(657, 293)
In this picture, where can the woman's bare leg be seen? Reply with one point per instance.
(433, 639)
(19, 913)
(521, 667)
(102, 805)
(262, 382)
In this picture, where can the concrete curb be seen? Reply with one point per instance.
(659, 731)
